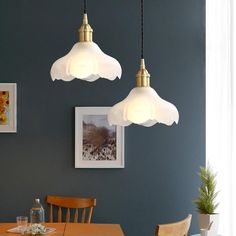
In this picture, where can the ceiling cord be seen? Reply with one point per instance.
(142, 29)
(85, 6)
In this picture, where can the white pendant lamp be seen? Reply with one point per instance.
(85, 60)
(143, 106)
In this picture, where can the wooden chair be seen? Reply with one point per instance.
(71, 203)
(174, 229)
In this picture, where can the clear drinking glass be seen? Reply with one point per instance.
(22, 223)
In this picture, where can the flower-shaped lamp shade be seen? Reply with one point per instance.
(86, 60)
(143, 106)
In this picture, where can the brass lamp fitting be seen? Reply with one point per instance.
(142, 77)
(85, 31)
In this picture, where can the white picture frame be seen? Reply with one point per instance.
(8, 112)
(91, 151)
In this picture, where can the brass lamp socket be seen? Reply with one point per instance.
(85, 31)
(142, 77)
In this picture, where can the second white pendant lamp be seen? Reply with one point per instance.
(143, 106)
(86, 60)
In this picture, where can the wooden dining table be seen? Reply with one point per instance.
(72, 229)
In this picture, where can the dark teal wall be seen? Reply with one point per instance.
(159, 180)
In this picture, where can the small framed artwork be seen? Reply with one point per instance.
(7, 108)
(97, 144)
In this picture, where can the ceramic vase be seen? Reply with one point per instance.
(206, 219)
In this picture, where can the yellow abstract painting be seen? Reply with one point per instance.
(4, 107)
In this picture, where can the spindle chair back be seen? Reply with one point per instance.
(77, 204)
(180, 228)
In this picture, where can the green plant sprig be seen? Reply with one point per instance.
(207, 192)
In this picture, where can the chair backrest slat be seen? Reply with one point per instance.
(71, 203)
(90, 214)
(68, 215)
(180, 228)
(51, 213)
(59, 215)
(83, 215)
(76, 216)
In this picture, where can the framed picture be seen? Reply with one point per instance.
(97, 144)
(7, 108)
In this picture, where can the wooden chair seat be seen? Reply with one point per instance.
(71, 203)
(180, 228)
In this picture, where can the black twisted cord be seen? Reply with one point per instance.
(85, 6)
(142, 29)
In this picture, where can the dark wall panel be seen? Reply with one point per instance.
(159, 181)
